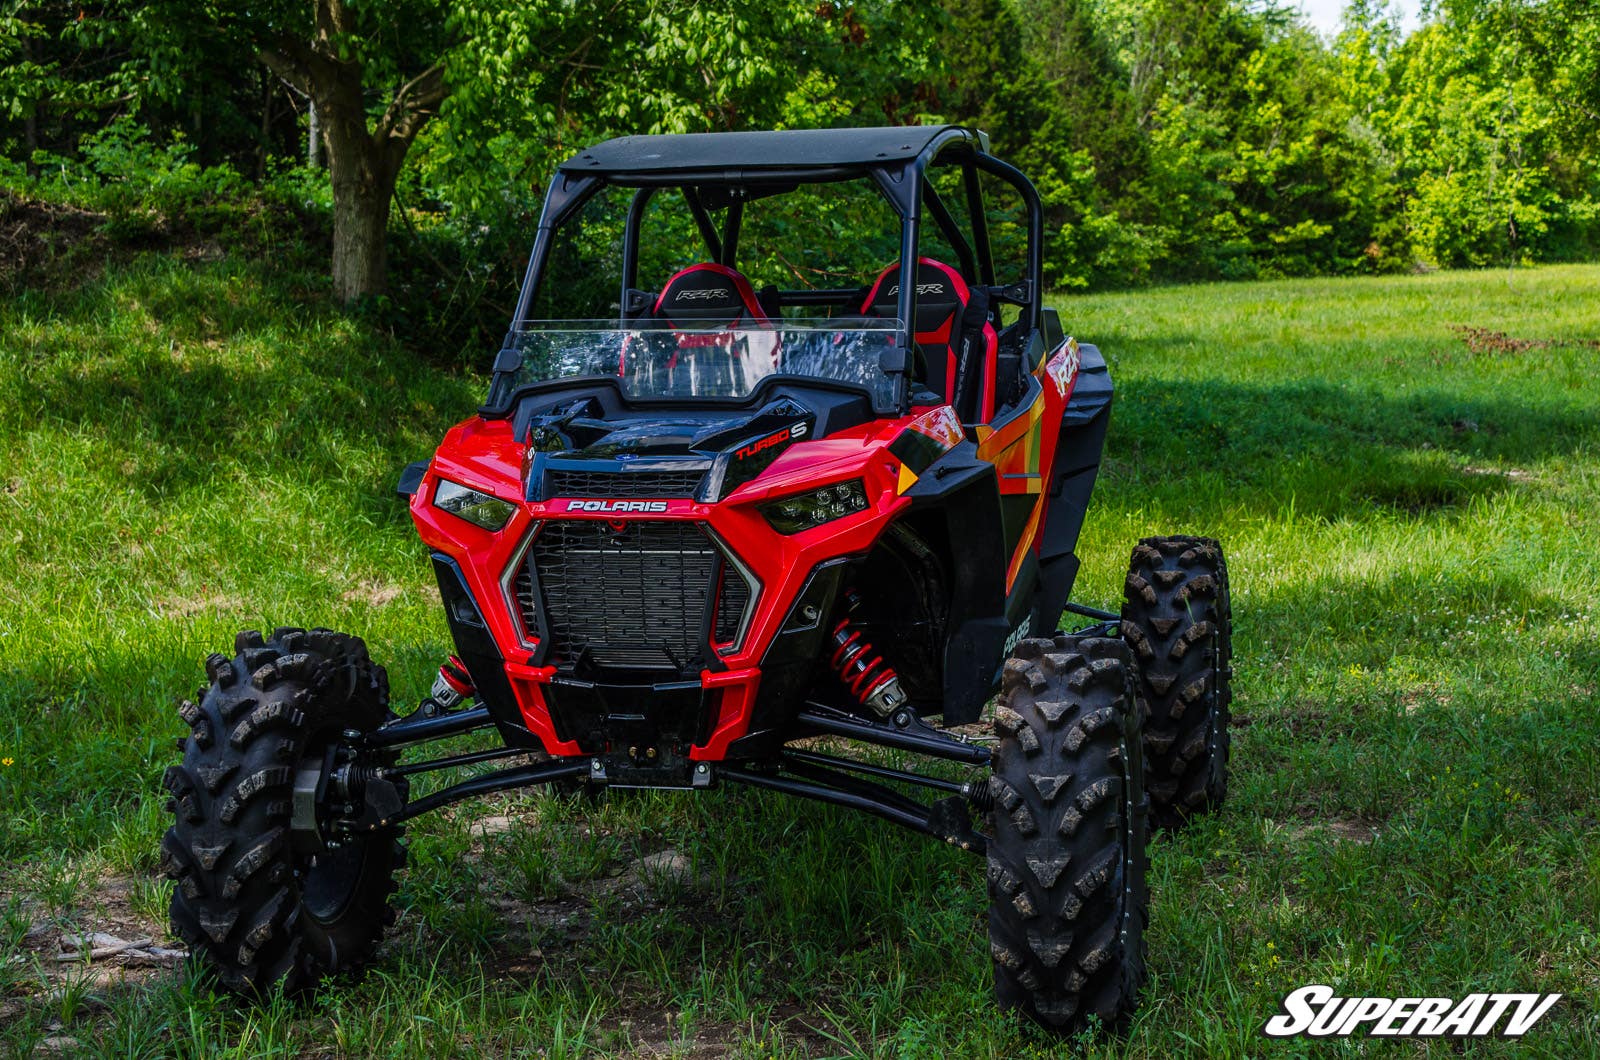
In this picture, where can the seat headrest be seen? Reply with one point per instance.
(708, 295)
(941, 296)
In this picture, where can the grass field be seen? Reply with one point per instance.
(1411, 514)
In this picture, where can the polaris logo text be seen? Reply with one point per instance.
(1316, 1012)
(616, 506)
(788, 434)
(702, 294)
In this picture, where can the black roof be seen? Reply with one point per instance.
(789, 150)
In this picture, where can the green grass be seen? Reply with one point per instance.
(187, 449)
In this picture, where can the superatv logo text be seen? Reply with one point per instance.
(1315, 1011)
(788, 434)
(616, 506)
(702, 294)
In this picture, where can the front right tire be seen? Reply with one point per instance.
(1068, 902)
(253, 908)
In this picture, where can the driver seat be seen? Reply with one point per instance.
(958, 342)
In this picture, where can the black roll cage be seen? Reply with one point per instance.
(902, 182)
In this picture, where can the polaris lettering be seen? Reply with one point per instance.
(616, 506)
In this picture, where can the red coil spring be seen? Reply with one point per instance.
(861, 675)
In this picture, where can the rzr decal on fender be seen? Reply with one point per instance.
(1063, 367)
(616, 506)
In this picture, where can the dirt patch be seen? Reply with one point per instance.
(188, 607)
(37, 236)
(372, 593)
(1335, 829)
(103, 941)
(1481, 341)
(652, 1031)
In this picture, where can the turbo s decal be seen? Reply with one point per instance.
(791, 433)
(1063, 367)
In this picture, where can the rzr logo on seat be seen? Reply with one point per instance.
(922, 288)
(616, 506)
(702, 294)
(788, 434)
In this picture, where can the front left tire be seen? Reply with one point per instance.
(1068, 902)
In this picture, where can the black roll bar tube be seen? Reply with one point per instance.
(947, 225)
(630, 240)
(1030, 197)
(980, 221)
(702, 220)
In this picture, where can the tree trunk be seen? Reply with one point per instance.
(360, 227)
(363, 159)
(362, 168)
(314, 137)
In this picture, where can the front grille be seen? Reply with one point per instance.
(675, 483)
(733, 596)
(527, 605)
(629, 595)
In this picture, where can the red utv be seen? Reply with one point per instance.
(730, 535)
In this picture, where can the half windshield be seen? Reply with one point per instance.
(651, 361)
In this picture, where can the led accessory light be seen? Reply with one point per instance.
(477, 508)
(791, 515)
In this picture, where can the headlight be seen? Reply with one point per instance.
(806, 510)
(480, 509)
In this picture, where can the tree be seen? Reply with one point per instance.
(348, 52)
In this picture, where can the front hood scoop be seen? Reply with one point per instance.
(576, 433)
(572, 452)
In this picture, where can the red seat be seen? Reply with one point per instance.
(698, 302)
(708, 296)
(953, 330)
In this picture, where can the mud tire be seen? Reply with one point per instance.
(1178, 619)
(252, 909)
(1068, 902)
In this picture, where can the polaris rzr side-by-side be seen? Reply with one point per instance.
(716, 534)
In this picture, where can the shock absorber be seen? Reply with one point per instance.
(452, 687)
(864, 671)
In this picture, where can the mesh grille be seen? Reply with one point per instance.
(733, 596)
(522, 588)
(632, 598)
(560, 483)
